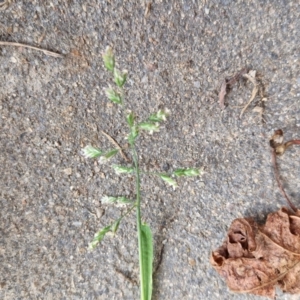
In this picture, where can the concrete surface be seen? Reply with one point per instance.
(177, 57)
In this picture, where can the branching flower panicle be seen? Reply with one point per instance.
(152, 124)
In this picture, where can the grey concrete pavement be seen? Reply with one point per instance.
(177, 57)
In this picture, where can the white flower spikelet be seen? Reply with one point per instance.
(91, 152)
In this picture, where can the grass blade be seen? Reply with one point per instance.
(146, 257)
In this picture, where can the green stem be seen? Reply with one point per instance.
(138, 218)
(150, 173)
(128, 211)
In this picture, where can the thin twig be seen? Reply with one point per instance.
(47, 52)
(116, 144)
(274, 161)
(254, 92)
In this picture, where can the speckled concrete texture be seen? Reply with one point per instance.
(177, 57)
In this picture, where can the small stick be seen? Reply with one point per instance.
(274, 161)
(254, 91)
(116, 144)
(47, 52)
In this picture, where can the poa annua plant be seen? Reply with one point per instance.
(152, 124)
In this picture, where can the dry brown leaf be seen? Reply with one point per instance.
(254, 259)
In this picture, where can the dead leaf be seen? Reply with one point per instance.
(254, 259)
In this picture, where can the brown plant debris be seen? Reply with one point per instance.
(258, 89)
(256, 258)
(227, 85)
(251, 77)
(47, 52)
(276, 142)
(278, 148)
(116, 144)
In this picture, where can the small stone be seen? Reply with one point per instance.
(99, 212)
(68, 171)
(197, 84)
(77, 224)
(192, 262)
(144, 79)
(13, 60)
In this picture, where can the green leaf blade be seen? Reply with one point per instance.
(146, 262)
